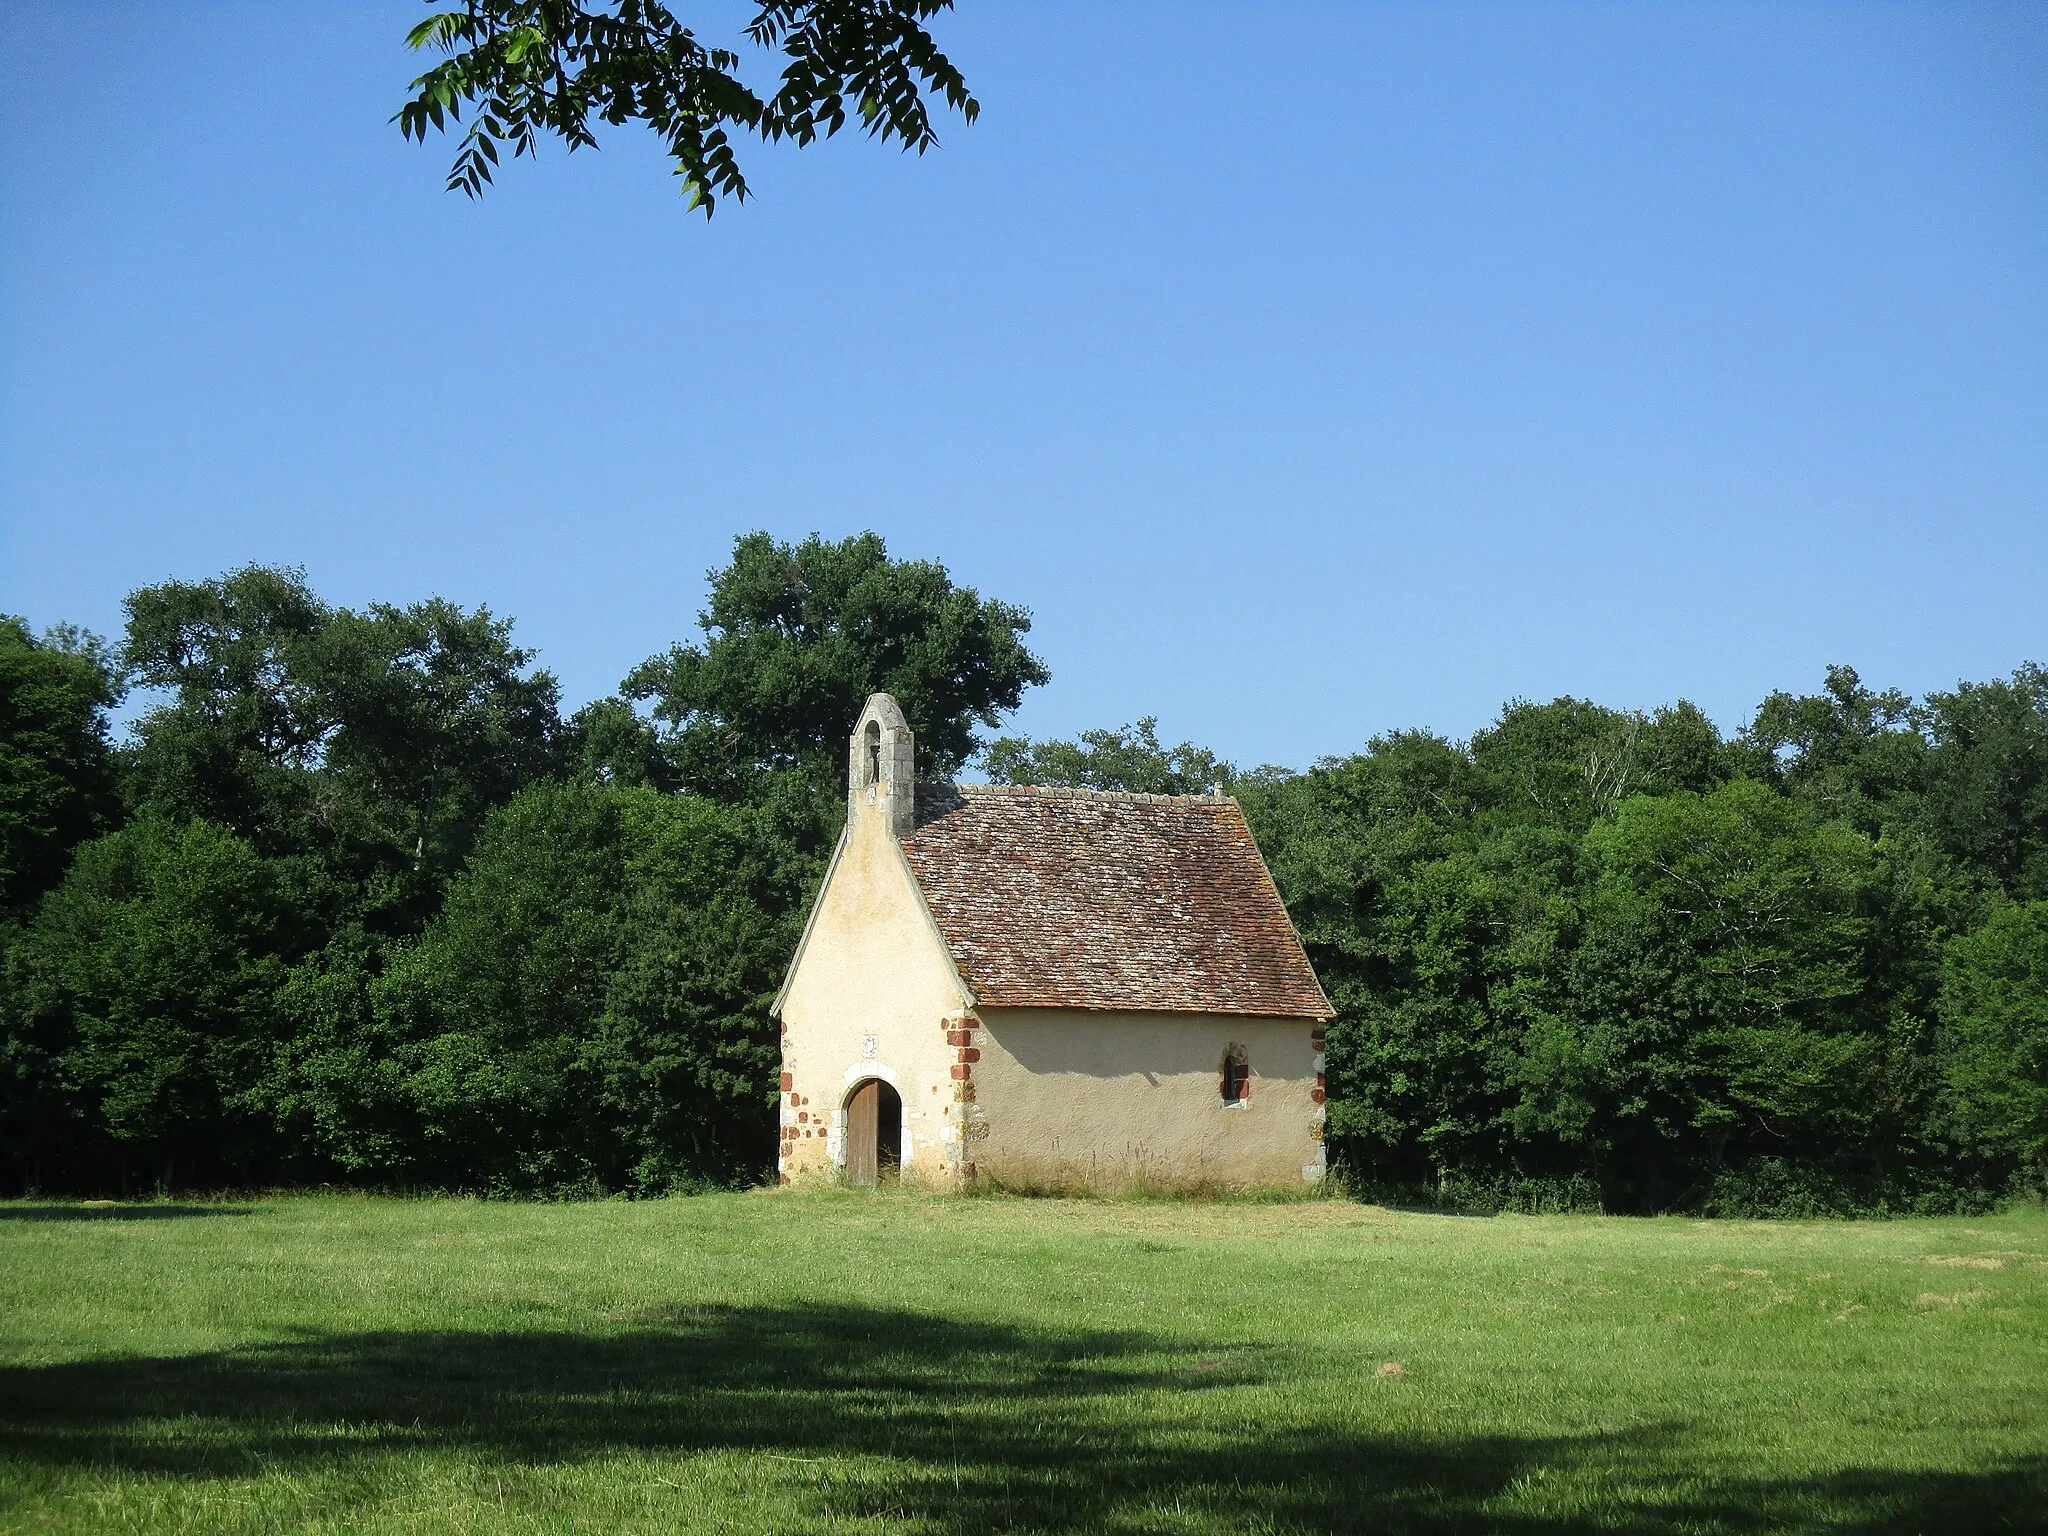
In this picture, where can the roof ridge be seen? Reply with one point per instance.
(1074, 792)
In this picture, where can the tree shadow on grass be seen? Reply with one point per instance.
(13, 1212)
(957, 1426)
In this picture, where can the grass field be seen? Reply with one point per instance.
(891, 1361)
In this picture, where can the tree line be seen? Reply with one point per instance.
(353, 900)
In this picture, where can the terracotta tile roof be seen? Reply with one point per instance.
(1064, 898)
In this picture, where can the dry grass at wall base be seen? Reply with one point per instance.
(854, 1361)
(1132, 1178)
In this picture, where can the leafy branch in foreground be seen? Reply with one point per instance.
(528, 67)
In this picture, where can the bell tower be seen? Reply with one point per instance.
(882, 767)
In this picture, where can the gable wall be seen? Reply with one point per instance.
(1081, 1096)
(871, 967)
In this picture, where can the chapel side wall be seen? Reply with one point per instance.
(872, 966)
(1067, 1096)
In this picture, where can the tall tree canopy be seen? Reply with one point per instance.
(1994, 1009)
(796, 636)
(588, 1011)
(1987, 779)
(1128, 759)
(57, 781)
(140, 1007)
(370, 743)
(531, 67)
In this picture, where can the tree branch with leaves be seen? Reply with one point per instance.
(524, 68)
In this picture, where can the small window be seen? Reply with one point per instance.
(1237, 1076)
(871, 755)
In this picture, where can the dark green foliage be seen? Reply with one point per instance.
(1709, 988)
(588, 1012)
(530, 67)
(1994, 1012)
(1986, 796)
(1848, 749)
(142, 1008)
(57, 783)
(1401, 957)
(367, 746)
(1598, 949)
(238, 734)
(612, 744)
(1130, 759)
(795, 639)
(436, 719)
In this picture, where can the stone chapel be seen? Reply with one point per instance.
(1045, 987)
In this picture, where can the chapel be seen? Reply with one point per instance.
(1045, 987)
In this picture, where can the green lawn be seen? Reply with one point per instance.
(903, 1362)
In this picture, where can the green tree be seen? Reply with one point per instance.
(58, 784)
(1994, 1014)
(238, 732)
(436, 717)
(473, 1072)
(796, 636)
(1569, 762)
(1850, 749)
(368, 744)
(141, 1004)
(686, 1052)
(589, 1011)
(1715, 991)
(1987, 779)
(1536, 980)
(610, 742)
(1417, 1055)
(1128, 759)
(533, 67)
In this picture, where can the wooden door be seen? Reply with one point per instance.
(862, 1123)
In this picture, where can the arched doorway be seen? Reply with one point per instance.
(874, 1134)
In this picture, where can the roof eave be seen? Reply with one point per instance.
(1273, 885)
(931, 923)
(1322, 1016)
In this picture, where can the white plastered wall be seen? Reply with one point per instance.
(1068, 1096)
(869, 996)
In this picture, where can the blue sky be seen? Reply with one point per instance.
(1307, 370)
